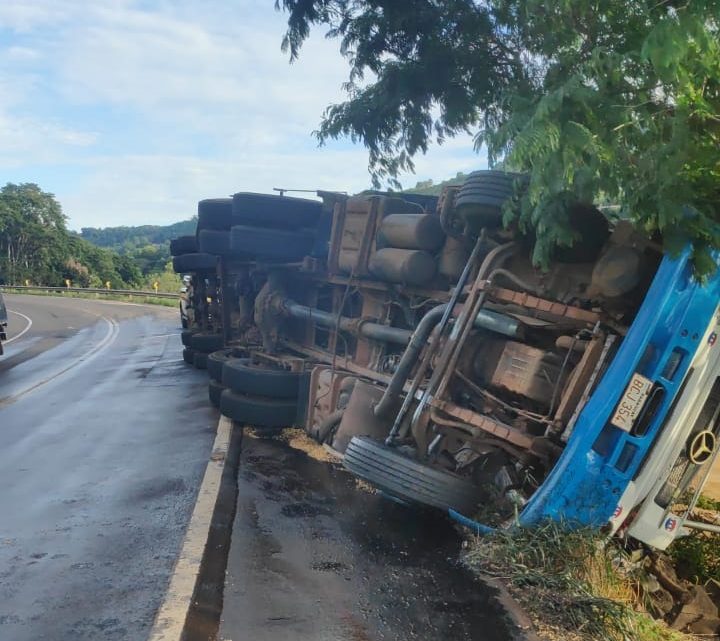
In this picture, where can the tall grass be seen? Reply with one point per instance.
(572, 583)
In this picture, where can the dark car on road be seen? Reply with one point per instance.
(3, 322)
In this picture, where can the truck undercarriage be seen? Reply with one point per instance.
(414, 337)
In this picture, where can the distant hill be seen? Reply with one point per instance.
(147, 246)
(125, 239)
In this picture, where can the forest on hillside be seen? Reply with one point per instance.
(36, 247)
(125, 238)
(148, 246)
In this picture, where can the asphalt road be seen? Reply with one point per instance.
(315, 557)
(104, 437)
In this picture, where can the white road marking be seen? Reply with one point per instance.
(108, 339)
(25, 329)
(170, 618)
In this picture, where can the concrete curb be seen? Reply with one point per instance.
(174, 613)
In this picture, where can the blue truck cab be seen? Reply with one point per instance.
(618, 430)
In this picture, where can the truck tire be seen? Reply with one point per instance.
(189, 356)
(407, 479)
(216, 360)
(213, 241)
(258, 411)
(482, 196)
(492, 178)
(206, 342)
(183, 245)
(215, 389)
(200, 360)
(281, 212)
(273, 244)
(186, 336)
(215, 213)
(194, 263)
(242, 376)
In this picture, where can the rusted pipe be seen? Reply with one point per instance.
(460, 330)
(387, 400)
(357, 326)
(409, 358)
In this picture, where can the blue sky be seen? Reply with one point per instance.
(130, 111)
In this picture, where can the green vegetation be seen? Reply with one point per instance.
(431, 188)
(36, 247)
(697, 556)
(708, 503)
(147, 246)
(574, 584)
(123, 239)
(615, 98)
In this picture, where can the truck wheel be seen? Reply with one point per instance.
(215, 389)
(215, 213)
(186, 336)
(282, 212)
(273, 244)
(183, 245)
(213, 241)
(194, 263)
(216, 360)
(241, 375)
(189, 356)
(258, 411)
(407, 479)
(482, 196)
(200, 360)
(206, 342)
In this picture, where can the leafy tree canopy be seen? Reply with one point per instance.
(605, 97)
(35, 245)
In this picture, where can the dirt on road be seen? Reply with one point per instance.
(313, 558)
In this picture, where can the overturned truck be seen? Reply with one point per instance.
(413, 336)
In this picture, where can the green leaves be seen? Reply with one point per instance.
(36, 245)
(605, 99)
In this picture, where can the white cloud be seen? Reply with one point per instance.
(41, 141)
(22, 54)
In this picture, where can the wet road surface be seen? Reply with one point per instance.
(104, 436)
(315, 558)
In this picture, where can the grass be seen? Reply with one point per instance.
(697, 557)
(574, 584)
(708, 503)
(146, 300)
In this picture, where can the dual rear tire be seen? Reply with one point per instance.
(259, 396)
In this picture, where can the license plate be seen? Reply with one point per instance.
(632, 402)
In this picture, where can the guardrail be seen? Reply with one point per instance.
(89, 290)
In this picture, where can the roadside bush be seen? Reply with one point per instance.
(697, 556)
(576, 585)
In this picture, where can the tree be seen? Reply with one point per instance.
(36, 245)
(32, 230)
(605, 97)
